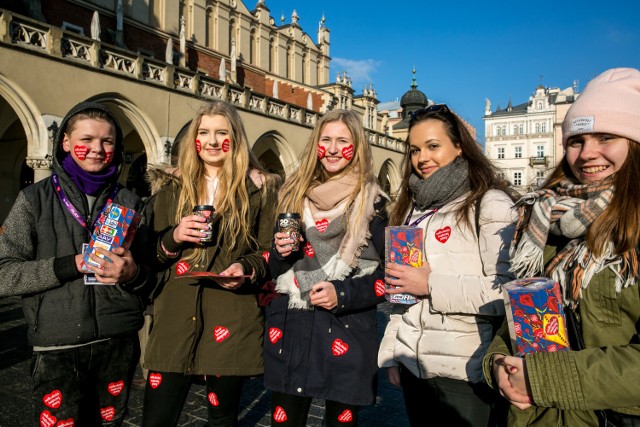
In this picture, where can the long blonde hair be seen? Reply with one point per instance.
(311, 173)
(232, 196)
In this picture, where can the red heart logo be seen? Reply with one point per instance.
(279, 415)
(443, 234)
(46, 419)
(220, 333)
(66, 423)
(266, 255)
(308, 250)
(347, 152)
(182, 267)
(346, 416)
(379, 288)
(322, 225)
(198, 146)
(321, 151)
(274, 335)
(213, 399)
(155, 379)
(339, 347)
(115, 388)
(517, 327)
(81, 151)
(108, 156)
(226, 145)
(107, 413)
(415, 256)
(552, 327)
(295, 282)
(53, 399)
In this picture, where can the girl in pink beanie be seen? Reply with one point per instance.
(582, 229)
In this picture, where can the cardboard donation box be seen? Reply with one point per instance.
(535, 316)
(116, 227)
(403, 245)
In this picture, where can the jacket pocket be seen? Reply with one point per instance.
(608, 306)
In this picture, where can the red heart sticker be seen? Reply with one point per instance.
(53, 399)
(265, 255)
(443, 234)
(274, 335)
(347, 152)
(339, 347)
(81, 151)
(155, 379)
(108, 157)
(321, 151)
(66, 423)
(552, 327)
(182, 267)
(107, 413)
(116, 387)
(322, 225)
(308, 250)
(279, 415)
(346, 416)
(198, 146)
(220, 333)
(226, 145)
(46, 419)
(379, 287)
(213, 399)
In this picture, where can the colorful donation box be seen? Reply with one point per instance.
(535, 316)
(403, 245)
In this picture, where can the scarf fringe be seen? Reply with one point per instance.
(527, 260)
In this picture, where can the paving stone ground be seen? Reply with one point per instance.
(15, 387)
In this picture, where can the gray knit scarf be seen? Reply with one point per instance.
(329, 252)
(445, 184)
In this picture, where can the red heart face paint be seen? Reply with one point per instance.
(226, 145)
(347, 152)
(108, 156)
(198, 146)
(81, 151)
(321, 151)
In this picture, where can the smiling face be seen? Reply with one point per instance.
(91, 143)
(335, 147)
(430, 147)
(594, 156)
(213, 142)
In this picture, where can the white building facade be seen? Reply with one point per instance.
(525, 141)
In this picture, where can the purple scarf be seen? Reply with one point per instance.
(89, 183)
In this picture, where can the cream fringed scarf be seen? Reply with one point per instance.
(334, 253)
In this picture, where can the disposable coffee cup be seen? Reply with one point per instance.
(290, 224)
(207, 212)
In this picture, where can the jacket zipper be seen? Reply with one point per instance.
(35, 323)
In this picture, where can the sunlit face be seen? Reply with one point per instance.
(91, 143)
(594, 156)
(213, 141)
(430, 148)
(335, 147)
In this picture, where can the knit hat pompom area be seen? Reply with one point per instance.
(609, 104)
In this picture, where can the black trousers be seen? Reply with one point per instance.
(292, 411)
(445, 401)
(166, 392)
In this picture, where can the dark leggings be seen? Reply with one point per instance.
(166, 393)
(291, 411)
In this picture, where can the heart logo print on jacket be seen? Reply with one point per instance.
(220, 333)
(107, 413)
(322, 225)
(308, 250)
(53, 399)
(339, 347)
(155, 379)
(47, 420)
(443, 234)
(379, 287)
(213, 399)
(66, 423)
(346, 416)
(274, 335)
(116, 387)
(182, 267)
(279, 415)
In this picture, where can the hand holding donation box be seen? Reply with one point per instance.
(535, 316)
(116, 227)
(403, 245)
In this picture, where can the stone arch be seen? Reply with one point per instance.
(389, 178)
(275, 154)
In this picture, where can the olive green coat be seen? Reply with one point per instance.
(200, 328)
(567, 387)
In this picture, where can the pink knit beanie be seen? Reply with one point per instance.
(609, 104)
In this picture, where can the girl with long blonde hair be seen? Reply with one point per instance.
(321, 325)
(207, 321)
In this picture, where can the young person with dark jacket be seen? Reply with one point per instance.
(84, 337)
(321, 327)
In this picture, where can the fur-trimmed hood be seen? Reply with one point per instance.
(159, 176)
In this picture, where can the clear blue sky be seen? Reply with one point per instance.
(465, 51)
